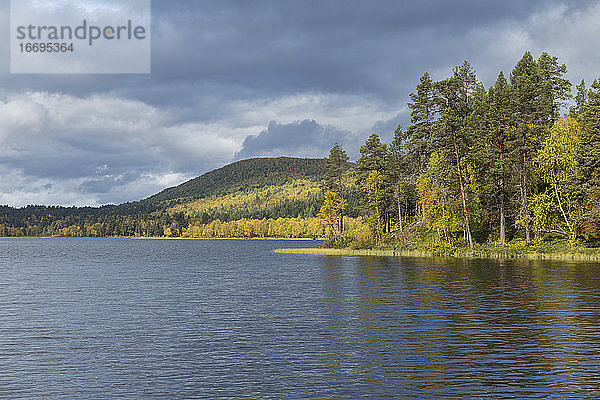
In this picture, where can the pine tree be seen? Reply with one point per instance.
(419, 138)
(556, 209)
(398, 169)
(436, 187)
(588, 157)
(374, 157)
(556, 89)
(373, 190)
(335, 166)
(423, 113)
(580, 100)
(530, 112)
(493, 124)
(453, 134)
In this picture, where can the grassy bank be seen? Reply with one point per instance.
(593, 256)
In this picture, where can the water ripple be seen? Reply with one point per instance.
(231, 320)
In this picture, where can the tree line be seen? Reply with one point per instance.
(482, 165)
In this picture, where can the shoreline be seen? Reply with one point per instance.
(423, 254)
(161, 238)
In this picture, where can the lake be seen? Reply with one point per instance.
(217, 319)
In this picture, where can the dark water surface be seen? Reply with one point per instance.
(138, 319)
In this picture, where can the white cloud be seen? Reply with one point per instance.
(63, 149)
(571, 35)
(350, 112)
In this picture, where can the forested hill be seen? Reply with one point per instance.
(242, 175)
(173, 207)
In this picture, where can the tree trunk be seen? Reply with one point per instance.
(502, 211)
(463, 195)
(399, 214)
(502, 221)
(502, 200)
(525, 199)
(561, 209)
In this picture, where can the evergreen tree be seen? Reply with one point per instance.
(493, 124)
(436, 187)
(419, 138)
(556, 89)
(455, 96)
(374, 157)
(588, 157)
(580, 100)
(335, 166)
(399, 169)
(530, 111)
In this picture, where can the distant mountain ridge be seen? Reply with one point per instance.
(240, 175)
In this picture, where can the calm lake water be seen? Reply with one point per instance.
(117, 318)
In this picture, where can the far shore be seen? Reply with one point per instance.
(415, 253)
(160, 238)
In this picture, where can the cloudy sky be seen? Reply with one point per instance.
(238, 79)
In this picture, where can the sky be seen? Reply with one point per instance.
(238, 79)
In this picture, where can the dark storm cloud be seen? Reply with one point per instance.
(276, 47)
(229, 48)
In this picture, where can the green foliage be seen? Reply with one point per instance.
(489, 161)
(491, 121)
(580, 100)
(335, 166)
(439, 198)
(419, 137)
(556, 159)
(373, 155)
(588, 152)
(402, 177)
(555, 210)
(537, 89)
(373, 191)
(301, 197)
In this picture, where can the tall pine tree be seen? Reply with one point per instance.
(455, 96)
(555, 89)
(530, 111)
(335, 166)
(588, 157)
(374, 157)
(493, 124)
